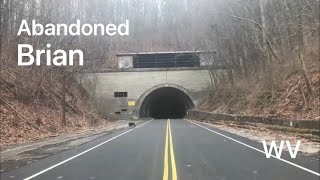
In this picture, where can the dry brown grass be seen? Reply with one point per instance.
(249, 96)
(29, 112)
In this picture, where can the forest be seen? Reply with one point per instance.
(271, 45)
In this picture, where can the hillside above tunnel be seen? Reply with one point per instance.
(292, 100)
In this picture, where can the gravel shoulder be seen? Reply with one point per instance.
(259, 132)
(18, 155)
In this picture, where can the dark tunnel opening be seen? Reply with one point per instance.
(166, 102)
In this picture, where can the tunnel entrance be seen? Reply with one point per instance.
(166, 102)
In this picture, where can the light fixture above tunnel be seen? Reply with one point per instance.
(164, 103)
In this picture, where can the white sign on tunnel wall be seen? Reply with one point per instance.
(125, 62)
(131, 103)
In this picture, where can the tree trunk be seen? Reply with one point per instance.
(304, 73)
(63, 102)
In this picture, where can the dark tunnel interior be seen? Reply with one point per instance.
(166, 102)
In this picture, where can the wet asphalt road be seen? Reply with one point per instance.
(161, 150)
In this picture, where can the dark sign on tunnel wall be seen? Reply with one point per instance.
(164, 60)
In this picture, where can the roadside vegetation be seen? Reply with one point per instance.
(271, 51)
(35, 107)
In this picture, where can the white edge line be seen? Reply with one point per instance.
(291, 163)
(69, 159)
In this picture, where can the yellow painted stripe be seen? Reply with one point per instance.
(165, 162)
(173, 162)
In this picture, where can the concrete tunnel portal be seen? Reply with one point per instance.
(164, 103)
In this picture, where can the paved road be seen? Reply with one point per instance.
(175, 149)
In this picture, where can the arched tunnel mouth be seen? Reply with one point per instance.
(166, 103)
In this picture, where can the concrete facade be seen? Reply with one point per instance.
(138, 84)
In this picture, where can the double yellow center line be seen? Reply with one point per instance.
(166, 156)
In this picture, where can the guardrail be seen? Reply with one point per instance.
(303, 124)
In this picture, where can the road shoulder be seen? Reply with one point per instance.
(257, 132)
(16, 156)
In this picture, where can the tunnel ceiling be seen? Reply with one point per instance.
(166, 102)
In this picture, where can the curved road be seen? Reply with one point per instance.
(175, 149)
